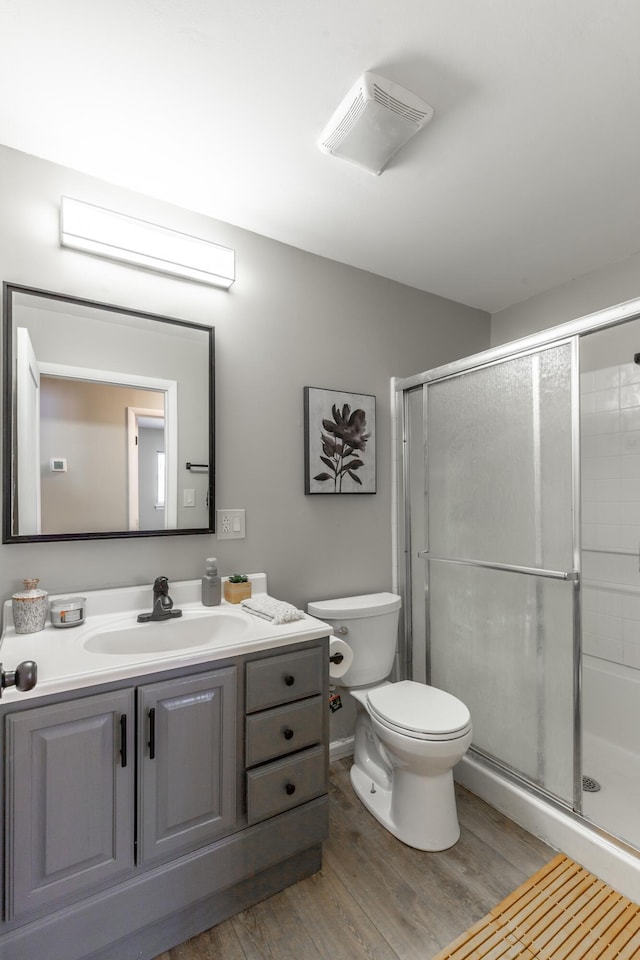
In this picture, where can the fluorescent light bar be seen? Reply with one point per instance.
(92, 229)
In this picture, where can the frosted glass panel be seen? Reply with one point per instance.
(502, 643)
(499, 462)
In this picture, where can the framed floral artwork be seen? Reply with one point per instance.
(339, 442)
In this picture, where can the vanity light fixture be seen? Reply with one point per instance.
(92, 229)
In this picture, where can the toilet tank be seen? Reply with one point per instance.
(369, 624)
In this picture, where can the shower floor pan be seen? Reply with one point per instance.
(615, 806)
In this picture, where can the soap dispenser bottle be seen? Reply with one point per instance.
(211, 585)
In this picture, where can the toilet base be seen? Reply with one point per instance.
(428, 819)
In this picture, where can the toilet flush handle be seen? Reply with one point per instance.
(343, 631)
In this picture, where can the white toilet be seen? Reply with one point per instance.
(408, 736)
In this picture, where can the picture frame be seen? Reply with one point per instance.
(339, 442)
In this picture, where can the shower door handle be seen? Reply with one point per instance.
(508, 567)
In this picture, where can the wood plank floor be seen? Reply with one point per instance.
(375, 898)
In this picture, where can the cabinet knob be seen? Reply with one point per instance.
(287, 733)
(290, 789)
(23, 678)
(289, 680)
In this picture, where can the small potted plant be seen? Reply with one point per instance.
(237, 588)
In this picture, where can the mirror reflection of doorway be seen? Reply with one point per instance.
(28, 435)
(84, 424)
(147, 469)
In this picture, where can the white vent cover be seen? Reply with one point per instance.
(375, 119)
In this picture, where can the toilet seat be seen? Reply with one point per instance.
(416, 710)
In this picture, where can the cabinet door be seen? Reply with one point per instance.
(70, 793)
(188, 763)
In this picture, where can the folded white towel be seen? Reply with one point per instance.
(276, 611)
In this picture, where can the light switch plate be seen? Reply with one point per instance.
(230, 524)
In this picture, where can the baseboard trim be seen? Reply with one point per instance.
(340, 748)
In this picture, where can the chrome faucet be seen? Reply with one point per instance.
(162, 603)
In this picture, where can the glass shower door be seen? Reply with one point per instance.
(501, 576)
(610, 464)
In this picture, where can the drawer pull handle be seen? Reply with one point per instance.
(152, 733)
(287, 733)
(289, 680)
(123, 740)
(290, 789)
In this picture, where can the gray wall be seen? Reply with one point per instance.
(602, 288)
(291, 319)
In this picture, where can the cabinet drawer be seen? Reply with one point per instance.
(284, 784)
(281, 679)
(282, 730)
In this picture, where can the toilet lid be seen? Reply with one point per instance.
(421, 711)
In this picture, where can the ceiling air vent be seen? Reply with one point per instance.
(375, 119)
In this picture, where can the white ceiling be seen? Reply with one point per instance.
(528, 175)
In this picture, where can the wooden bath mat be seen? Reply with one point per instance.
(562, 912)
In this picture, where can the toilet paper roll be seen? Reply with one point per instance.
(339, 648)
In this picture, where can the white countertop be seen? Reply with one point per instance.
(71, 658)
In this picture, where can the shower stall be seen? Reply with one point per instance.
(518, 546)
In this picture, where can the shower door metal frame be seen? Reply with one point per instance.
(569, 333)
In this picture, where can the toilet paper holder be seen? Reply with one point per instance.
(339, 657)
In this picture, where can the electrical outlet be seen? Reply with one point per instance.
(230, 524)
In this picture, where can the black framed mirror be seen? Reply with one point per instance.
(108, 420)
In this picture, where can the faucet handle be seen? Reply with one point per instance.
(162, 603)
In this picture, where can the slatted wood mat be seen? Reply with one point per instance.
(562, 912)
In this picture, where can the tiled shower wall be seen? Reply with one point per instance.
(610, 443)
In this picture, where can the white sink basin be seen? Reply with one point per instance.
(181, 633)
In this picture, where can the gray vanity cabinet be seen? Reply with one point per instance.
(71, 775)
(70, 793)
(187, 751)
(140, 815)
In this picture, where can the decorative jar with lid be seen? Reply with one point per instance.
(30, 607)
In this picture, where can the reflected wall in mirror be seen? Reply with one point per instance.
(107, 420)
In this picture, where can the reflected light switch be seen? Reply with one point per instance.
(188, 498)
